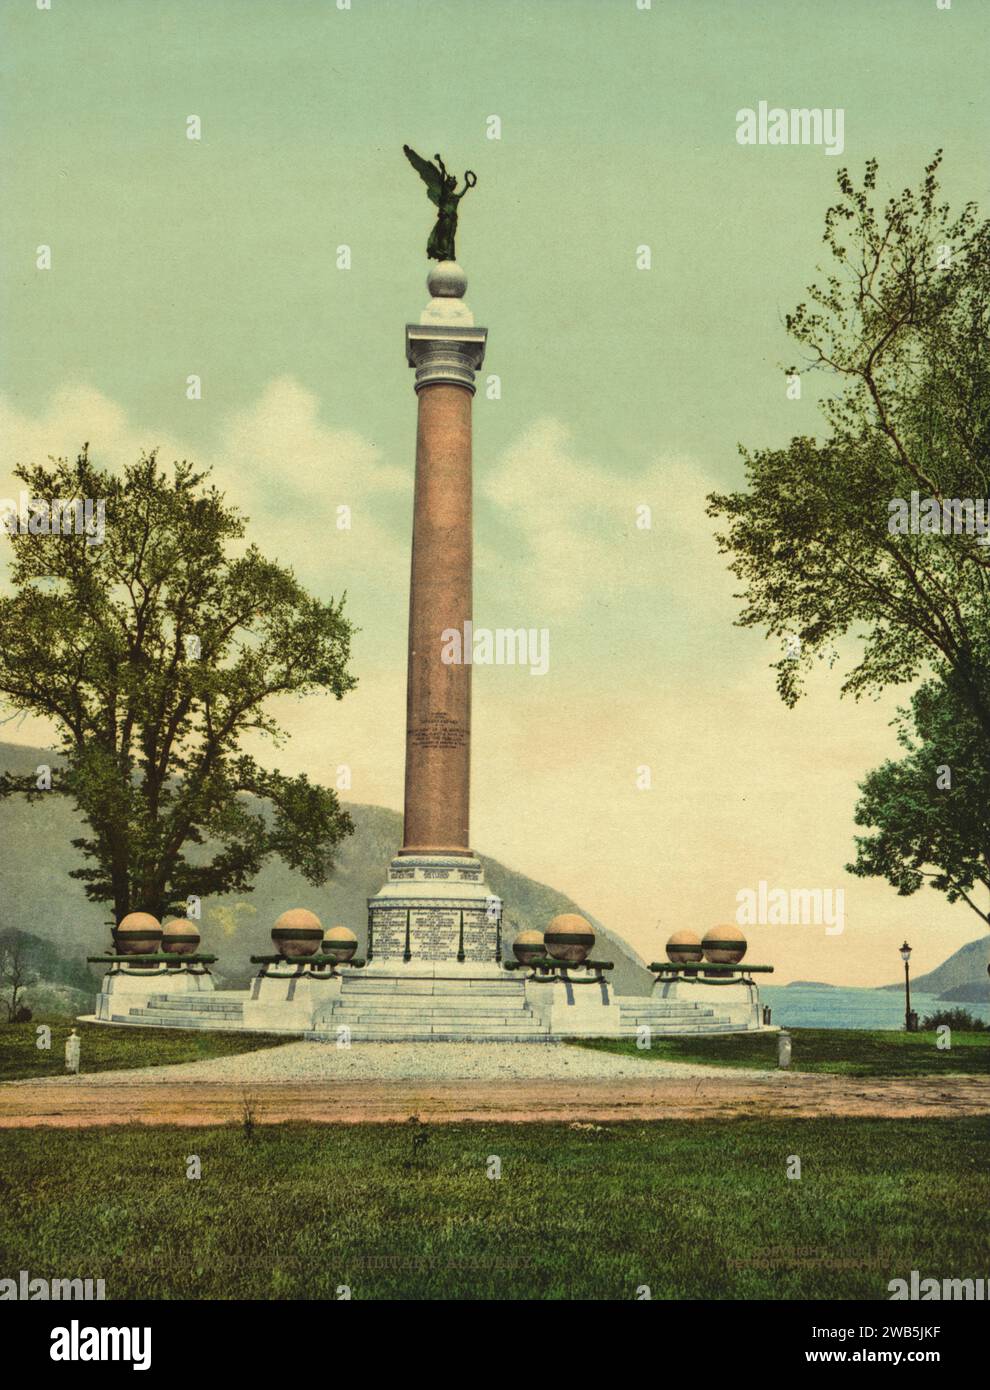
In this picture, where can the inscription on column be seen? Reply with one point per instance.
(438, 730)
(390, 932)
(479, 936)
(433, 933)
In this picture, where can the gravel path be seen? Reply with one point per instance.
(408, 1061)
(719, 1094)
(441, 1083)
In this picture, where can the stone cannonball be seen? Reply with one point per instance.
(724, 945)
(138, 934)
(529, 945)
(297, 933)
(569, 937)
(340, 944)
(181, 937)
(684, 947)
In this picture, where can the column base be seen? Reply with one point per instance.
(434, 909)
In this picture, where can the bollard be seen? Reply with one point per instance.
(784, 1050)
(73, 1045)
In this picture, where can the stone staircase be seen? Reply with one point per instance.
(433, 1010)
(220, 1009)
(669, 1017)
(493, 1010)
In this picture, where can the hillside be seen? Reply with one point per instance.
(975, 993)
(37, 896)
(966, 969)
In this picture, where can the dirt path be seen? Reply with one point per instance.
(718, 1096)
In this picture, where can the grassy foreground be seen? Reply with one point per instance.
(111, 1049)
(843, 1051)
(694, 1210)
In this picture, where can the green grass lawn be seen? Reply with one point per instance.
(843, 1051)
(110, 1049)
(692, 1209)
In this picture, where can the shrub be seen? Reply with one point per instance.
(959, 1019)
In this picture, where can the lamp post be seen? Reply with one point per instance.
(906, 957)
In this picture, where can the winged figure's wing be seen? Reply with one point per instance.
(428, 172)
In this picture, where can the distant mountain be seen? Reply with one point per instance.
(52, 982)
(965, 969)
(37, 895)
(809, 984)
(976, 993)
(44, 959)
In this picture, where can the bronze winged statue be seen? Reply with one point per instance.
(442, 190)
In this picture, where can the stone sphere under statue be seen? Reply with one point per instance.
(724, 945)
(181, 937)
(529, 946)
(684, 947)
(340, 943)
(569, 938)
(446, 280)
(297, 933)
(138, 934)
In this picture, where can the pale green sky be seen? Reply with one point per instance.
(619, 386)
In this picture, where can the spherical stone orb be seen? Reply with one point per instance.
(181, 937)
(528, 946)
(297, 933)
(340, 944)
(446, 280)
(684, 947)
(138, 934)
(724, 945)
(569, 937)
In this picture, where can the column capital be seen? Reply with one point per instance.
(442, 353)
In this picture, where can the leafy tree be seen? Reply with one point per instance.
(902, 324)
(17, 971)
(931, 809)
(154, 653)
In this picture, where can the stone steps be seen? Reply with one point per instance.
(670, 1030)
(180, 1021)
(668, 1010)
(186, 1011)
(221, 996)
(433, 1020)
(412, 1008)
(665, 1021)
(209, 1004)
(645, 1015)
(439, 989)
(388, 1033)
(666, 1014)
(426, 1010)
(187, 1006)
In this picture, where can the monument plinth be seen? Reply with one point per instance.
(435, 906)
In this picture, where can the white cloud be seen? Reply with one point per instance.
(75, 414)
(276, 460)
(576, 519)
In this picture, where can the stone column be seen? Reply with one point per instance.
(446, 351)
(435, 911)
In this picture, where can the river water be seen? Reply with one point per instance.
(800, 1006)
